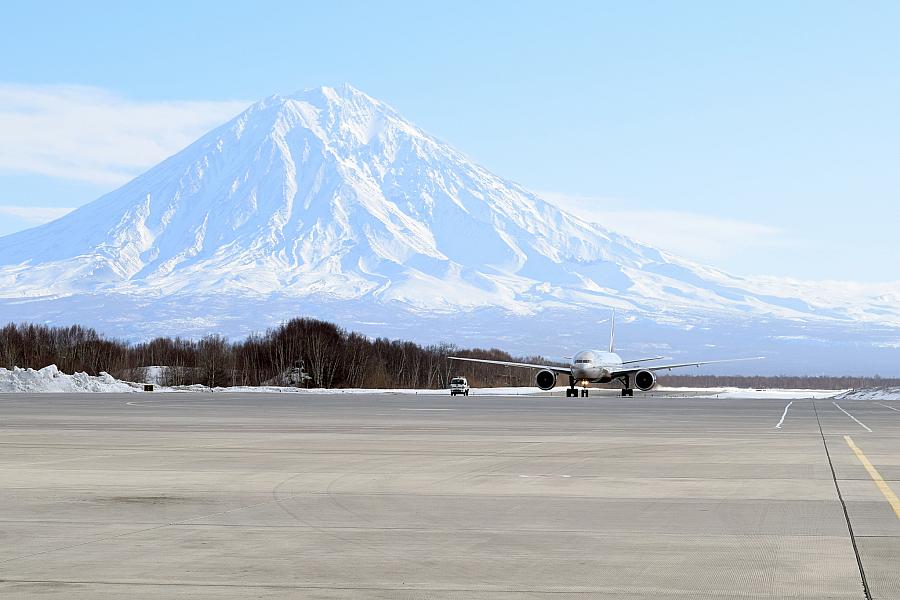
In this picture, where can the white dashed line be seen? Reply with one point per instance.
(888, 407)
(863, 425)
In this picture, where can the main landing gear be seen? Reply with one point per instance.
(572, 391)
(627, 390)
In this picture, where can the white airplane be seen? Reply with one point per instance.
(597, 366)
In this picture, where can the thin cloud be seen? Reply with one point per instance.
(698, 236)
(35, 214)
(90, 134)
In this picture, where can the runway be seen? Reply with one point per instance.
(401, 496)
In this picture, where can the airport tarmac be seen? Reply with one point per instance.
(401, 496)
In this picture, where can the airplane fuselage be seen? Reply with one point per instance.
(595, 366)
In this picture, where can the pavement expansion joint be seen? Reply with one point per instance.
(837, 487)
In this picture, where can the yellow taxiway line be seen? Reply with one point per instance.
(889, 494)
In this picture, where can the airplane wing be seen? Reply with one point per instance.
(637, 368)
(566, 370)
(639, 360)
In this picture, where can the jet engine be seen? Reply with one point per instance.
(546, 380)
(645, 380)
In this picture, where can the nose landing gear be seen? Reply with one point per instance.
(572, 391)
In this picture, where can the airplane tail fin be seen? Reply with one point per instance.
(612, 333)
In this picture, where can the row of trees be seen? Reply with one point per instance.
(333, 358)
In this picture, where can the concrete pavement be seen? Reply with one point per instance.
(398, 496)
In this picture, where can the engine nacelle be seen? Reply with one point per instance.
(645, 380)
(546, 380)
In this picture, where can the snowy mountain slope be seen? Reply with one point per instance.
(328, 196)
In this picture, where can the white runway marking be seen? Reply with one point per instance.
(427, 409)
(864, 426)
(889, 407)
(781, 422)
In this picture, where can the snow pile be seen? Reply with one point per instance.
(731, 393)
(880, 393)
(50, 379)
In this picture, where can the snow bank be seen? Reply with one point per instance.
(50, 379)
(722, 393)
(269, 389)
(736, 393)
(881, 393)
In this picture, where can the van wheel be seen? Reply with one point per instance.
(467, 392)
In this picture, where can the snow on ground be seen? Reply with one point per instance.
(733, 392)
(50, 379)
(268, 389)
(881, 393)
(724, 393)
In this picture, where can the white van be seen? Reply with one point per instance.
(459, 385)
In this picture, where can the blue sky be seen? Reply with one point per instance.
(760, 137)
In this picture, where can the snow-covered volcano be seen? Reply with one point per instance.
(324, 192)
(328, 202)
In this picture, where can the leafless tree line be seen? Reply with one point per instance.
(333, 357)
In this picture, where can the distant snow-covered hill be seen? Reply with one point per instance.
(329, 203)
